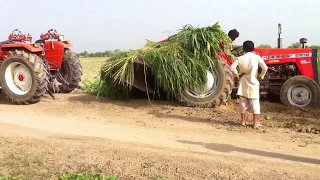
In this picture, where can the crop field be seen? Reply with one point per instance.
(91, 68)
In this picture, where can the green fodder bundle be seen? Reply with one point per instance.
(180, 62)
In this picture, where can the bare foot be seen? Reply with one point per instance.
(257, 125)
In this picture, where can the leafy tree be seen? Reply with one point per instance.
(117, 50)
(85, 54)
(264, 46)
(295, 45)
(108, 53)
(315, 47)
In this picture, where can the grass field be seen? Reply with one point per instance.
(91, 67)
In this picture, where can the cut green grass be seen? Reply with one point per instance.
(182, 61)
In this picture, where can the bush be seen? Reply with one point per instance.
(86, 177)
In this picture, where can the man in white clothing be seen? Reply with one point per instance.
(249, 85)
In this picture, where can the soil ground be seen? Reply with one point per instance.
(138, 140)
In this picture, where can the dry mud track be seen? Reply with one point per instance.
(136, 140)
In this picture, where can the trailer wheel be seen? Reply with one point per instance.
(23, 77)
(300, 91)
(71, 71)
(217, 90)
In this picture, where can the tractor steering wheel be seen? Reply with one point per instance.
(52, 33)
(16, 32)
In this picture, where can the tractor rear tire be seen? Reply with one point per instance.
(23, 77)
(223, 87)
(300, 91)
(71, 71)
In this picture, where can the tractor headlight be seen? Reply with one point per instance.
(61, 37)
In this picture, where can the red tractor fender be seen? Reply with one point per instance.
(6, 48)
(67, 44)
(30, 47)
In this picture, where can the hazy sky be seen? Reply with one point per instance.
(99, 25)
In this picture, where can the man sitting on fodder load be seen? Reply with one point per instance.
(248, 89)
(233, 35)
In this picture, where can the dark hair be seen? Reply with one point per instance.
(233, 34)
(248, 46)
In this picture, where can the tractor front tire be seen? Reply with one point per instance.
(218, 93)
(23, 77)
(300, 91)
(71, 71)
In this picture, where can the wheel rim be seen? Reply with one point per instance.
(207, 90)
(299, 95)
(18, 78)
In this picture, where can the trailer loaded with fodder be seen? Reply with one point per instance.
(187, 66)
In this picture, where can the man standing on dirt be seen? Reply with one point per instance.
(249, 85)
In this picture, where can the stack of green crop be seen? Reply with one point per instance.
(181, 61)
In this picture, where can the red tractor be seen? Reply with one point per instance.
(65, 67)
(27, 72)
(292, 74)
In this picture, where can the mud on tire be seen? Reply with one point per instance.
(303, 86)
(30, 63)
(71, 71)
(219, 95)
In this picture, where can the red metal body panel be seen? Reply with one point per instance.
(54, 52)
(6, 48)
(301, 57)
(29, 47)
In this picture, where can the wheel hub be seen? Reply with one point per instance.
(299, 95)
(207, 89)
(18, 78)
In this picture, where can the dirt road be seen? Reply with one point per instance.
(136, 140)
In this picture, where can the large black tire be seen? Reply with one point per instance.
(219, 95)
(38, 73)
(71, 71)
(309, 86)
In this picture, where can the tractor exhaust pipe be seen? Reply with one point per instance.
(303, 41)
(279, 36)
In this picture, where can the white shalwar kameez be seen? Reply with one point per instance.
(249, 85)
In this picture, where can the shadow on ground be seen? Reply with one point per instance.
(227, 148)
(135, 103)
(193, 119)
(5, 100)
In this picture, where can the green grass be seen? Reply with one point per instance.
(91, 67)
(91, 78)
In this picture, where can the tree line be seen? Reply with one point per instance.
(109, 53)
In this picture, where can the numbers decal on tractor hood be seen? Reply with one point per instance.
(298, 55)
